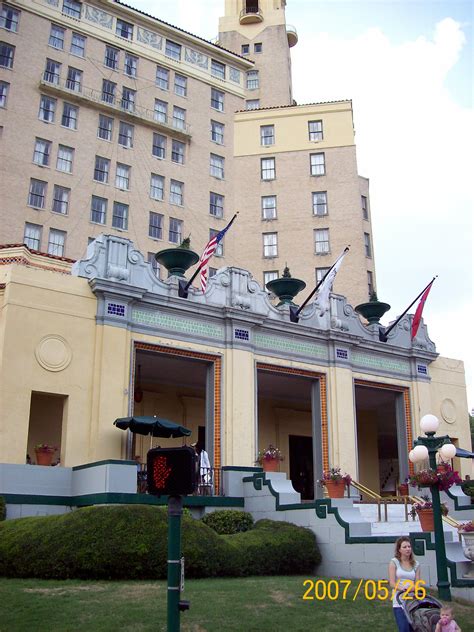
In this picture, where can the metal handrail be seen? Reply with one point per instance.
(365, 490)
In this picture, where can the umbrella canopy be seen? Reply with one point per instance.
(154, 426)
(465, 454)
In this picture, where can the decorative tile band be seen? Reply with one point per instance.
(283, 344)
(173, 323)
(383, 364)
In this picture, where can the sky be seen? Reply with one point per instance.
(407, 65)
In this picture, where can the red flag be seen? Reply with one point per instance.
(419, 310)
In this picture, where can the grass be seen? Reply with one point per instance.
(224, 605)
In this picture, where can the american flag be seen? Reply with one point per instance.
(209, 250)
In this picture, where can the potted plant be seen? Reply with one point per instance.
(373, 310)
(466, 529)
(44, 453)
(177, 260)
(269, 458)
(403, 488)
(424, 510)
(286, 287)
(335, 482)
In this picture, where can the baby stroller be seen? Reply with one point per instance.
(422, 614)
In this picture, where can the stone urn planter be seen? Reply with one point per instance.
(177, 260)
(373, 310)
(286, 288)
(44, 456)
(468, 549)
(335, 489)
(426, 517)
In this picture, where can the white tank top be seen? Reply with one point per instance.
(401, 574)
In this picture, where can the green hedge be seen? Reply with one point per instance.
(130, 542)
(3, 509)
(227, 521)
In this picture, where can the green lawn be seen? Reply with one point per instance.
(271, 604)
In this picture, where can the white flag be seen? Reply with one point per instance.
(326, 286)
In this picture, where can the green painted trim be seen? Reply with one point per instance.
(457, 506)
(236, 468)
(33, 499)
(422, 542)
(106, 462)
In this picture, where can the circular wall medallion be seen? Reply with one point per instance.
(448, 410)
(53, 353)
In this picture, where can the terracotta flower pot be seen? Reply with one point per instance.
(403, 489)
(44, 456)
(335, 488)
(270, 465)
(426, 517)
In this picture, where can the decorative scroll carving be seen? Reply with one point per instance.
(98, 17)
(197, 58)
(234, 74)
(150, 38)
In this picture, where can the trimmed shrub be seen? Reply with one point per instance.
(227, 522)
(130, 542)
(3, 509)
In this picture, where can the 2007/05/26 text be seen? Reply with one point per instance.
(369, 589)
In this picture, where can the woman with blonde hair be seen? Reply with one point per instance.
(403, 573)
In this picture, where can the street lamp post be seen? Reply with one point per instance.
(427, 447)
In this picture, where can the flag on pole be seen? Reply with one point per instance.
(419, 310)
(326, 286)
(209, 250)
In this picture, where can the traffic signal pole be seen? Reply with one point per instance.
(175, 511)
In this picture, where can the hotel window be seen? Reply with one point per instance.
(217, 166)
(317, 164)
(245, 50)
(125, 137)
(320, 203)
(52, 71)
(9, 18)
(219, 252)
(177, 192)
(157, 185)
(124, 29)
(98, 210)
(217, 69)
(217, 100)
(72, 8)
(159, 146)
(270, 275)
(267, 168)
(270, 244)
(105, 127)
(370, 282)
(315, 130)
(365, 208)
(47, 109)
(177, 152)
(37, 193)
(74, 79)
(269, 207)
(180, 85)
(173, 50)
(155, 266)
(4, 86)
(65, 157)
(78, 45)
(252, 80)
(320, 274)
(257, 47)
(321, 241)
(69, 117)
(217, 132)
(32, 236)
(367, 245)
(175, 231)
(179, 117)
(128, 99)
(60, 199)
(42, 152)
(130, 66)
(56, 37)
(120, 216)
(161, 111)
(108, 91)
(252, 104)
(7, 53)
(122, 176)
(155, 226)
(267, 135)
(111, 59)
(216, 204)
(57, 239)
(162, 78)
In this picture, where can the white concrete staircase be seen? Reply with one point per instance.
(396, 523)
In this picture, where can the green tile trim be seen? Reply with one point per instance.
(106, 462)
(174, 323)
(278, 343)
(382, 364)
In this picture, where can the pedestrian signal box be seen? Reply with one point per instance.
(171, 471)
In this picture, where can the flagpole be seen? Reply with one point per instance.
(383, 335)
(295, 312)
(183, 288)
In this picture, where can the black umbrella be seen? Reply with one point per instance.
(464, 454)
(152, 425)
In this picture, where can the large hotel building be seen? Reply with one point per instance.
(113, 121)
